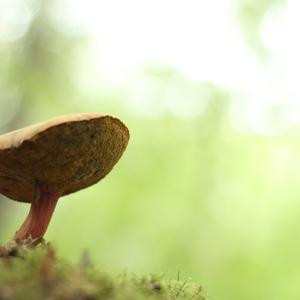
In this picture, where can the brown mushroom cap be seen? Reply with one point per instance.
(64, 154)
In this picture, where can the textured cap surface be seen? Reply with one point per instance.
(64, 154)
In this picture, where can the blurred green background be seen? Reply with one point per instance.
(209, 185)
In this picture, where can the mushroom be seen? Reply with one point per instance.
(41, 163)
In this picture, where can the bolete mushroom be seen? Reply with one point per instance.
(41, 163)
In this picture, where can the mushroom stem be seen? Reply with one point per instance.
(39, 216)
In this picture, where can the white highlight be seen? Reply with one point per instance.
(202, 40)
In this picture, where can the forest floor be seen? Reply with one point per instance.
(41, 274)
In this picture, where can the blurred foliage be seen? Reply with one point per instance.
(47, 55)
(195, 192)
(250, 14)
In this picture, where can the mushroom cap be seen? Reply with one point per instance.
(62, 155)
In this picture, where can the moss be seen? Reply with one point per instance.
(40, 274)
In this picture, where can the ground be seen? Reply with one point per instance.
(41, 274)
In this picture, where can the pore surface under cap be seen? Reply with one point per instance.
(62, 155)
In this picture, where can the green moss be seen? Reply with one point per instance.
(40, 274)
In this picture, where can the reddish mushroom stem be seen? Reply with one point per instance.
(39, 216)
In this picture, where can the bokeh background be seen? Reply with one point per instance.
(209, 186)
